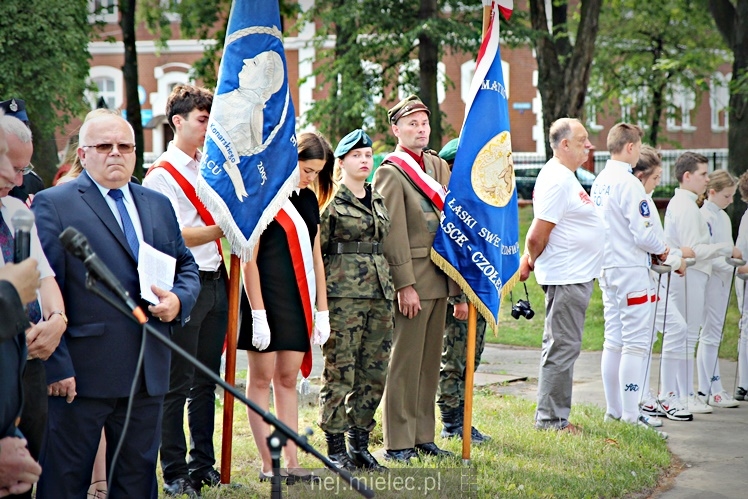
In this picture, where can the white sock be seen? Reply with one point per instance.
(609, 365)
(669, 376)
(685, 371)
(711, 366)
(631, 375)
(743, 361)
(701, 363)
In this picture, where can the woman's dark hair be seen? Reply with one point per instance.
(312, 145)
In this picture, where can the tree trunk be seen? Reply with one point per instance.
(44, 159)
(428, 58)
(732, 22)
(658, 105)
(130, 73)
(563, 70)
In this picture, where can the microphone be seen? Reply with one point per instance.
(77, 244)
(23, 221)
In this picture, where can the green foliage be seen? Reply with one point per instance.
(44, 58)
(645, 50)
(386, 35)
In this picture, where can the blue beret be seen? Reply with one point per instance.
(449, 151)
(354, 140)
(15, 108)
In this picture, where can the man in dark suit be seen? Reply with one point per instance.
(93, 370)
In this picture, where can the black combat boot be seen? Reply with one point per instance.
(336, 451)
(452, 420)
(358, 450)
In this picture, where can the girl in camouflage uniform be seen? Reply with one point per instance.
(360, 296)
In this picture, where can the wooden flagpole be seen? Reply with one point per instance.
(230, 377)
(467, 420)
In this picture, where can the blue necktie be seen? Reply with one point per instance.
(6, 242)
(127, 226)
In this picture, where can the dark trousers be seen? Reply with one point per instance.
(73, 439)
(33, 423)
(203, 338)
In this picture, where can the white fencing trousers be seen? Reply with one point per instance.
(693, 312)
(628, 296)
(715, 306)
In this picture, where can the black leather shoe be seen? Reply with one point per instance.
(400, 455)
(180, 487)
(430, 449)
(210, 478)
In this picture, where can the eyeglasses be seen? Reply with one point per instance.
(23, 171)
(107, 148)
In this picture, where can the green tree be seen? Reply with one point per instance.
(661, 47)
(732, 21)
(44, 60)
(563, 67)
(375, 44)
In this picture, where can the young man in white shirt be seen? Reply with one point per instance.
(565, 250)
(187, 110)
(630, 240)
(685, 226)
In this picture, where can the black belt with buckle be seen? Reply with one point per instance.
(206, 275)
(359, 247)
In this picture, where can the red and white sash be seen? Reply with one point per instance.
(189, 191)
(427, 185)
(303, 265)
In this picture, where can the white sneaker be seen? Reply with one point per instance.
(674, 409)
(642, 422)
(649, 405)
(722, 399)
(609, 418)
(652, 421)
(695, 405)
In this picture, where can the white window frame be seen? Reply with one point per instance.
(111, 17)
(719, 100)
(110, 73)
(684, 100)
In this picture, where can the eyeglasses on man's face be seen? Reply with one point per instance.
(26, 169)
(123, 148)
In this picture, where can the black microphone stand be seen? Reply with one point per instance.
(277, 440)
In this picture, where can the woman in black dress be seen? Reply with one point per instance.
(275, 328)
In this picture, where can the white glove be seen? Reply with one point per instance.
(321, 327)
(260, 329)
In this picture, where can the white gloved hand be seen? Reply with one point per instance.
(321, 327)
(260, 330)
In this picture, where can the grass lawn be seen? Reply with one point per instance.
(530, 333)
(607, 460)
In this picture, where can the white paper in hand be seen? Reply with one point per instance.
(154, 267)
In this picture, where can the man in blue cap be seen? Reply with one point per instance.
(30, 182)
(451, 392)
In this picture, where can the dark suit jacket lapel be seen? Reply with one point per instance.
(93, 198)
(143, 204)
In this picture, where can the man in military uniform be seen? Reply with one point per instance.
(411, 180)
(451, 391)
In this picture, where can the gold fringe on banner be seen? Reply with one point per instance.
(481, 307)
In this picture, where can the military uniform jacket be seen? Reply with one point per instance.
(355, 275)
(414, 222)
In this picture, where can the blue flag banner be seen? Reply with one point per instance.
(250, 162)
(478, 244)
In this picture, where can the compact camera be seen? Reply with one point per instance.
(522, 308)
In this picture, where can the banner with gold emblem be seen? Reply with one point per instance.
(478, 244)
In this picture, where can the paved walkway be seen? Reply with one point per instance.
(713, 447)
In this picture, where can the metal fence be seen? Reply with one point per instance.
(717, 160)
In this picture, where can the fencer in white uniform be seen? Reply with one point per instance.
(625, 281)
(741, 392)
(685, 226)
(667, 320)
(720, 190)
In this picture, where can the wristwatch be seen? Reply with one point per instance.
(61, 314)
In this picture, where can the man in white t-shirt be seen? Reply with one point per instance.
(564, 247)
(630, 239)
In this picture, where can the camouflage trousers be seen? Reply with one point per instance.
(451, 392)
(357, 357)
